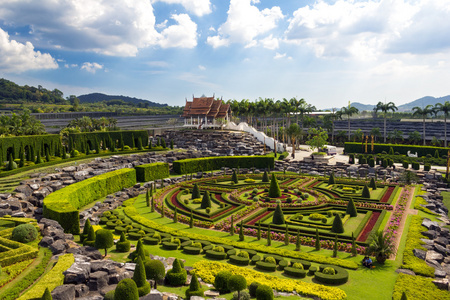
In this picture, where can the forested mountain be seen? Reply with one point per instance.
(117, 100)
(422, 102)
(13, 93)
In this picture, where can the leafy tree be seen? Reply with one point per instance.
(278, 216)
(385, 108)
(104, 240)
(414, 137)
(317, 138)
(237, 283)
(154, 270)
(349, 111)
(424, 113)
(274, 190)
(445, 108)
(221, 281)
(351, 208)
(337, 226)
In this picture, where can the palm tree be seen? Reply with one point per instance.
(395, 135)
(385, 108)
(423, 112)
(349, 111)
(375, 132)
(381, 246)
(445, 108)
(414, 137)
(294, 132)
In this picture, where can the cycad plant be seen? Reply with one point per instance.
(381, 246)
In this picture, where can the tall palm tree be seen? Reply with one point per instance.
(445, 108)
(294, 132)
(423, 112)
(349, 111)
(385, 107)
(303, 109)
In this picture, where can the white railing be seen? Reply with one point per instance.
(260, 136)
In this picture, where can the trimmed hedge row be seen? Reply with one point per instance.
(238, 260)
(150, 172)
(17, 252)
(265, 266)
(298, 273)
(194, 165)
(215, 255)
(51, 280)
(62, 205)
(340, 277)
(37, 142)
(417, 287)
(79, 140)
(402, 149)
(133, 214)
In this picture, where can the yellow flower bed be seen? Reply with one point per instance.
(207, 270)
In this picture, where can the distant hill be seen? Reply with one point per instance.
(422, 102)
(11, 92)
(98, 97)
(362, 107)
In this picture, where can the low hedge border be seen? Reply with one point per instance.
(265, 266)
(215, 255)
(306, 264)
(169, 246)
(14, 292)
(255, 259)
(150, 241)
(18, 252)
(208, 269)
(340, 277)
(241, 261)
(133, 214)
(417, 287)
(52, 279)
(298, 273)
(192, 250)
(150, 172)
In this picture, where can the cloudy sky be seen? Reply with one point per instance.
(328, 52)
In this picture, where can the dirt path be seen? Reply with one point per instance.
(401, 227)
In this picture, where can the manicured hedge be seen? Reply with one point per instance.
(50, 280)
(266, 266)
(299, 273)
(169, 246)
(133, 214)
(402, 149)
(417, 287)
(255, 259)
(150, 241)
(340, 277)
(215, 254)
(150, 172)
(79, 140)
(192, 250)
(15, 252)
(62, 205)
(38, 142)
(241, 261)
(306, 264)
(194, 165)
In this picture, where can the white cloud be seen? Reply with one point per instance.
(162, 25)
(396, 67)
(91, 67)
(111, 27)
(197, 7)
(202, 68)
(270, 43)
(245, 23)
(183, 35)
(368, 29)
(16, 57)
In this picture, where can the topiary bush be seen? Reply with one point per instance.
(104, 240)
(194, 289)
(24, 233)
(221, 281)
(278, 216)
(126, 290)
(415, 165)
(154, 270)
(243, 295)
(264, 292)
(123, 245)
(237, 283)
(337, 226)
(177, 275)
(139, 276)
(274, 190)
(329, 271)
(426, 167)
(351, 208)
(252, 288)
(365, 192)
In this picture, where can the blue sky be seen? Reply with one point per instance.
(327, 52)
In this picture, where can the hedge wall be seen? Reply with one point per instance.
(151, 172)
(402, 149)
(79, 140)
(63, 204)
(38, 142)
(194, 165)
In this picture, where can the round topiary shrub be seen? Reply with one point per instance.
(154, 270)
(237, 283)
(123, 245)
(221, 281)
(244, 295)
(329, 271)
(264, 292)
(324, 220)
(297, 266)
(177, 275)
(109, 295)
(24, 233)
(252, 288)
(340, 275)
(126, 290)
(243, 254)
(270, 259)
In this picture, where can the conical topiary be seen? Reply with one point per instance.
(191, 221)
(278, 216)
(337, 227)
(232, 226)
(241, 231)
(331, 180)
(274, 190)
(365, 192)
(140, 278)
(195, 192)
(353, 250)
(234, 177)
(297, 241)
(206, 201)
(269, 238)
(87, 226)
(373, 184)
(351, 208)
(258, 232)
(335, 246)
(265, 177)
(175, 215)
(47, 295)
(194, 289)
(317, 244)
(404, 297)
(286, 237)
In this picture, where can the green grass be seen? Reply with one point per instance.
(446, 201)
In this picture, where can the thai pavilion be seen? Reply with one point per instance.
(206, 112)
